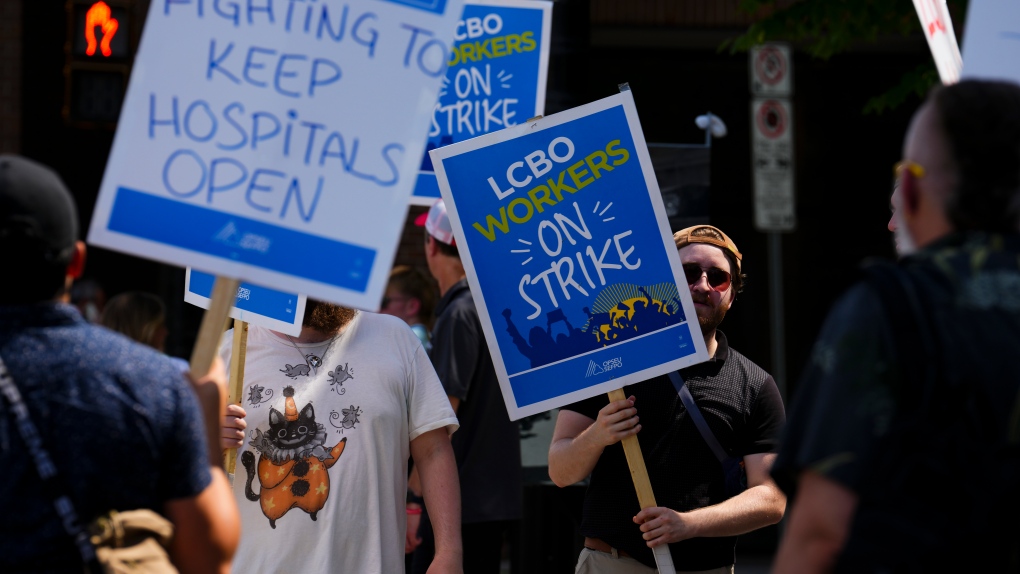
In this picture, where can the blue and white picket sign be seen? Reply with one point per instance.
(257, 305)
(991, 40)
(496, 77)
(276, 142)
(565, 241)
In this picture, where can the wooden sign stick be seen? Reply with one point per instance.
(643, 486)
(240, 347)
(213, 397)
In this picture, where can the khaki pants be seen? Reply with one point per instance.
(595, 562)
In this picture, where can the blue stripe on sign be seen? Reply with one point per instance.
(260, 300)
(241, 239)
(585, 371)
(427, 185)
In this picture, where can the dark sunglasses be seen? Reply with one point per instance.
(387, 300)
(717, 278)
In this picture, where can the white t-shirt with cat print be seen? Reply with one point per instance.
(322, 476)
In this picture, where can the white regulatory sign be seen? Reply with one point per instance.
(772, 159)
(771, 69)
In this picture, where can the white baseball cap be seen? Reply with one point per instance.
(437, 222)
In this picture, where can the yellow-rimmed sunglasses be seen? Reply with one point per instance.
(915, 169)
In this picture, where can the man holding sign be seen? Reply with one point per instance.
(700, 512)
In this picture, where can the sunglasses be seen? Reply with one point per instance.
(915, 169)
(717, 278)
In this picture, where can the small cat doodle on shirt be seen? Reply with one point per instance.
(293, 462)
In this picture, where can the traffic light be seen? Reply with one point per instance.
(99, 52)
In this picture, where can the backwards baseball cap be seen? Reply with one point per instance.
(437, 222)
(685, 237)
(36, 207)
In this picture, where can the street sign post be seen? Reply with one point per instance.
(772, 153)
(771, 71)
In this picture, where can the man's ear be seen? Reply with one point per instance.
(414, 306)
(910, 195)
(76, 267)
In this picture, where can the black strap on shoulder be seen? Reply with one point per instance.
(697, 417)
(47, 471)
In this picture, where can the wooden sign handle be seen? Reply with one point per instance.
(643, 486)
(240, 347)
(213, 397)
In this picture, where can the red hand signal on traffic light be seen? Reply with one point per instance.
(99, 15)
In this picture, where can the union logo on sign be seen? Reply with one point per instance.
(771, 119)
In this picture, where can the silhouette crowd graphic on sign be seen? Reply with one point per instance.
(620, 312)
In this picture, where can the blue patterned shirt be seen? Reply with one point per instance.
(120, 421)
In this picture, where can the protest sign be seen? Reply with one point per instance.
(991, 40)
(254, 304)
(496, 77)
(938, 30)
(276, 143)
(561, 228)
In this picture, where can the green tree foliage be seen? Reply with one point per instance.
(825, 28)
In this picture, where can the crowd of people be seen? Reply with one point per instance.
(391, 449)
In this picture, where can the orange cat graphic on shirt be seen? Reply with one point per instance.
(293, 462)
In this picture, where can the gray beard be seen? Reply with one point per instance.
(904, 242)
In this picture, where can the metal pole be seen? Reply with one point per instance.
(777, 313)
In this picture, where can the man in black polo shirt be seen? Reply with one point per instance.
(743, 409)
(488, 444)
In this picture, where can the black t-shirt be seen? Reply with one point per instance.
(859, 404)
(742, 406)
(488, 444)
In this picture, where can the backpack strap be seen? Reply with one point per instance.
(697, 417)
(51, 479)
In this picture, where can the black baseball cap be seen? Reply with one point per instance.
(36, 208)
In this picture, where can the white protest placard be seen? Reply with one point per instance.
(991, 40)
(772, 158)
(771, 69)
(276, 143)
(496, 77)
(562, 231)
(262, 306)
(938, 30)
